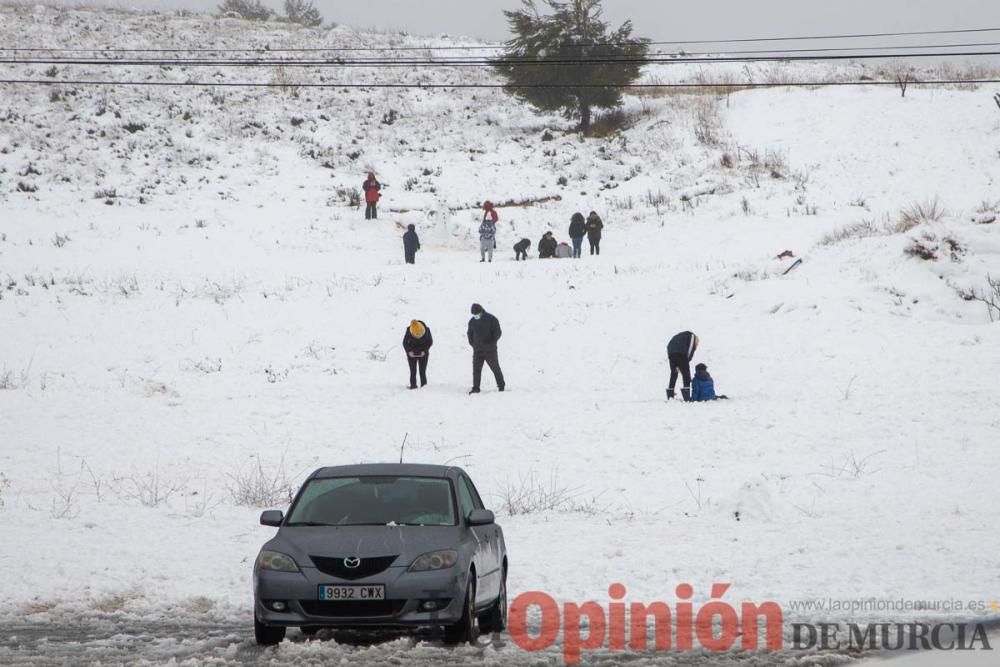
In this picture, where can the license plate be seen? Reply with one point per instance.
(328, 593)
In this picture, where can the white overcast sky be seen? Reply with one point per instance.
(660, 20)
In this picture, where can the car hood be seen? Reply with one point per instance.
(408, 542)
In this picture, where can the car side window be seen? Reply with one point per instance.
(465, 497)
(477, 502)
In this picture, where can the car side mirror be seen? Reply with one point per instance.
(271, 518)
(480, 518)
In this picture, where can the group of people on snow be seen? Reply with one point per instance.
(579, 227)
(483, 333)
(484, 328)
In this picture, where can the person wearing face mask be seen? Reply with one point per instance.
(484, 332)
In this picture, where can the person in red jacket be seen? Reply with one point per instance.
(371, 188)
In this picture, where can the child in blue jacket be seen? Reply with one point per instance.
(702, 386)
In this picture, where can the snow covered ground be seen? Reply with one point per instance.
(188, 298)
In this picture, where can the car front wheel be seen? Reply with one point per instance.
(465, 629)
(495, 620)
(267, 635)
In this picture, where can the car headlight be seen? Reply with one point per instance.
(435, 560)
(276, 561)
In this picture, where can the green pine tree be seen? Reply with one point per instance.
(568, 60)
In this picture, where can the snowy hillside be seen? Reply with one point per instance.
(189, 297)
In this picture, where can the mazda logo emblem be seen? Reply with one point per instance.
(352, 562)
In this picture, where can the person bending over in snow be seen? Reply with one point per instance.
(680, 352)
(488, 231)
(547, 246)
(417, 342)
(521, 249)
(411, 244)
(703, 386)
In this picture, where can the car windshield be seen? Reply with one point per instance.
(370, 500)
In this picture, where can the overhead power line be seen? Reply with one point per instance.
(471, 47)
(483, 62)
(434, 86)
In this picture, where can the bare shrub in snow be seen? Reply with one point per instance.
(274, 375)
(987, 211)
(65, 504)
(10, 379)
(858, 230)
(775, 163)
(919, 213)
(59, 240)
(350, 195)
(253, 486)
(928, 247)
(706, 122)
(4, 485)
(608, 123)
(918, 248)
(531, 495)
(208, 365)
(990, 297)
(656, 199)
(149, 489)
(851, 466)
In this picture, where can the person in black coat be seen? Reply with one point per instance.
(680, 352)
(577, 230)
(521, 249)
(411, 244)
(484, 332)
(594, 227)
(417, 342)
(547, 246)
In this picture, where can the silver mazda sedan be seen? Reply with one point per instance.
(395, 546)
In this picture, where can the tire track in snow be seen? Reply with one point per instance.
(147, 642)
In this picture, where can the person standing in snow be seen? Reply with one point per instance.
(577, 230)
(547, 246)
(594, 227)
(417, 343)
(371, 188)
(680, 352)
(484, 332)
(411, 244)
(488, 231)
(521, 249)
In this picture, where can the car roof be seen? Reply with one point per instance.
(406, 469)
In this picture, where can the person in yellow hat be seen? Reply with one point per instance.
(417, 343)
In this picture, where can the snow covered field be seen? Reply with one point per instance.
(188, 302)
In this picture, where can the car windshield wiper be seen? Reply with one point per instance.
(308, 523)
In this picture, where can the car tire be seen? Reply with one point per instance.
(495, 620)
(267, 635)
(465, 629)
